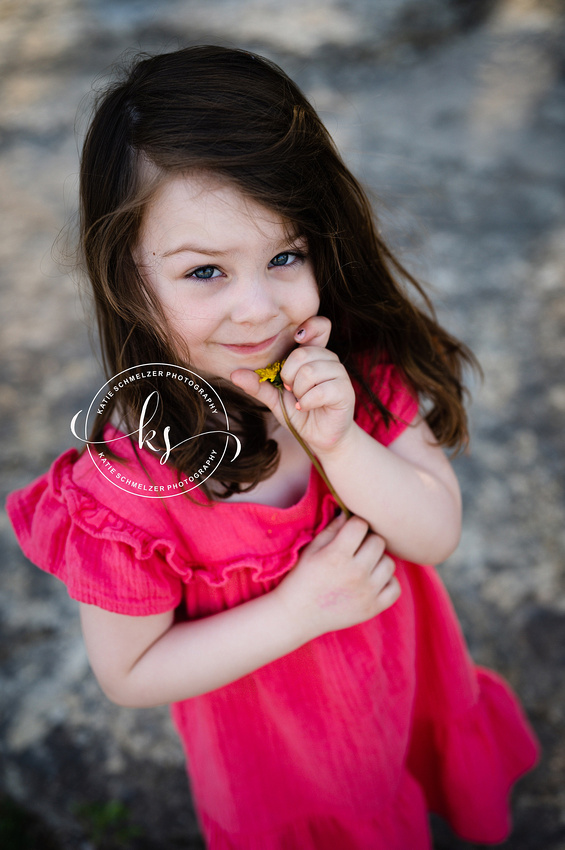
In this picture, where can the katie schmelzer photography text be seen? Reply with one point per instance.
(146, 437)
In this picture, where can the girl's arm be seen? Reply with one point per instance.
(342, 578)
(407, 492)
(146, 661)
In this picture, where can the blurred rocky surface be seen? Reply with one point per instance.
(454, 114)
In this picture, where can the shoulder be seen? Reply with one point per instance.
(73, 488)
(395, 405)
(74, 524)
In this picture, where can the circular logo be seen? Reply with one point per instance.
(136, 479)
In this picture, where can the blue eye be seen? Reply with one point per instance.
(284, 258)
(204, 273)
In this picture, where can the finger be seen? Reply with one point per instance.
(267, 394)
(325, 394)
(328, 533)
(384, 570)
(389, 594)
(351, 536)
(302, 376)
(314, 331)
(302, 357)
(249, 382)
(372, 550)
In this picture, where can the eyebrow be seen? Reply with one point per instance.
(216, 252)
(195, 249)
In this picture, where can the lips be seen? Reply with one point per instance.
(250, 347)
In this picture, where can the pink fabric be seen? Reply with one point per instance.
(346, 742)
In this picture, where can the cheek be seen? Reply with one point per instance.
(172, 300)
(313, 297)
(194, 325)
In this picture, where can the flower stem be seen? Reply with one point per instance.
(310, 454)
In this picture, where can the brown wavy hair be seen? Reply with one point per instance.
(239, 116)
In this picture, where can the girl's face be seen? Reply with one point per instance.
(230, 282)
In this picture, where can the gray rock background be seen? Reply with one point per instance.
(454, 113)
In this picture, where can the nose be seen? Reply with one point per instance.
(254, 300)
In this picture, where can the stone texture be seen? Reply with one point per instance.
(453, 113)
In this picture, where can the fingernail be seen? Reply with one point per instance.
(286, 386)
(300, 333)
(297, 405)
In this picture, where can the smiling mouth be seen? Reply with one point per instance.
(252, 346)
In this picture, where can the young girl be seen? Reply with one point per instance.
(319, 679)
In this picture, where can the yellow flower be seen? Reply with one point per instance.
(271, 373)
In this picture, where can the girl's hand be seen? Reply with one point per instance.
(343, 577)
(319, 397)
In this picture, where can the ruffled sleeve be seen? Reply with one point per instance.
(395, 394)
(102, 558)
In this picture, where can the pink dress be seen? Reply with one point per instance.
(345, 743)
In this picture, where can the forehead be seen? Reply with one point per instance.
(204, 205)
